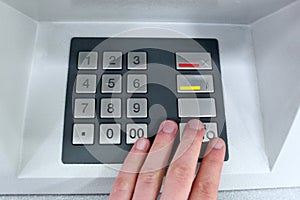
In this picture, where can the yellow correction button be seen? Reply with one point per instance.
(190, 88)
(192, 83)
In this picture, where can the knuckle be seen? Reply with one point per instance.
(207, 189)
(149, 178)
(121, 185)
(181, 173)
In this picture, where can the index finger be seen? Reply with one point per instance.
(125, 182)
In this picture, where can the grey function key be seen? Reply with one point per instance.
(195, 84)
(196, 107)
(211, 130)
(84, 108)
(87, 60)
(193, 60)
(83, 134)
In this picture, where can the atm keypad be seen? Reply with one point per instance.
(111, 93)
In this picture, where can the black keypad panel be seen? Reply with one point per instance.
(121, 89)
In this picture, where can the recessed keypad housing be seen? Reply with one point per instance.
(120, 89)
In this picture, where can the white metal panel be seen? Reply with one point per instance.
(17, 37)
(277, 43)
(43, 134)
(208, 11)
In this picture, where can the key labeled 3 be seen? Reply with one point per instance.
(137, 60)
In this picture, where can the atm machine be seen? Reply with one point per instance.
(82, 80)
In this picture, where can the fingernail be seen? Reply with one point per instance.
(167, 127)
(216, 143)
(161, 126)
(141, 144)
(195, 124)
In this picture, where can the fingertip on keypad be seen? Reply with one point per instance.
(210, 130)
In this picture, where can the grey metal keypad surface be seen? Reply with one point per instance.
(121, 89)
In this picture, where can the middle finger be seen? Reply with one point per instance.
(181, 171)
(152, 172)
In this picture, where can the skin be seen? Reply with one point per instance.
(143, 170)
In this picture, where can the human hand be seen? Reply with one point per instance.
(143, 170)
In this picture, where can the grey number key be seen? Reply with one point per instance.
(86, 83)
(137, 83)
(137, 60)
(87, 60)
(110, 108)
(111, 83)
(110, 134)
(84, 108)
(112, 60)
(137, 108)
(135, 131)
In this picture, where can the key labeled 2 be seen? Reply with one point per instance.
(112, 60)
